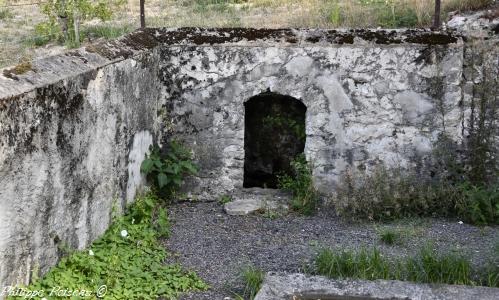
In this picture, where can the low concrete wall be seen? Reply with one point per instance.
(75, 127)
(69, 152)
(278, 286)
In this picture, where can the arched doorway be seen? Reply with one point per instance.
(274, 135)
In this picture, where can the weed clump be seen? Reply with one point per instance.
(253, 279)
(390, 236)
(301, 185)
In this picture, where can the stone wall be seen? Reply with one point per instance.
(69, 152)
(75, 127)
(366, 104)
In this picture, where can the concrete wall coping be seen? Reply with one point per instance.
(17, 80)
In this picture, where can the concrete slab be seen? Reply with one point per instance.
(299, 286)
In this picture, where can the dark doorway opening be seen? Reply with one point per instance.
(274, 135)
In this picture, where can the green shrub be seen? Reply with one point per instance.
(301, 185)
(85, 9)
(385, 195)
(253, 279)
(165, 171)
(479, 205)
(392, 194)
(128, 259)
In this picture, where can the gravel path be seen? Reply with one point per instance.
(217, 245)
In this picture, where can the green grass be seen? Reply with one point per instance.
(430, 267)
(427, 266)
(5, 14)
(253, 279)
(106, 31)
(130, 264)
(390, 236)
(365, 264)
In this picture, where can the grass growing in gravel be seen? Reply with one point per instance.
(253, 279)
(365, 264)
(390, 236)
(128, 259)
(425, 267)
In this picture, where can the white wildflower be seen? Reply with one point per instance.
(90, 252)
(124, 233)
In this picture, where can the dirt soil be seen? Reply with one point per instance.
(215, 245)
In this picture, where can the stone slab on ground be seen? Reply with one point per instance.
(284, 286)
(252, 200)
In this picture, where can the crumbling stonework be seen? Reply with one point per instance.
(75, 127)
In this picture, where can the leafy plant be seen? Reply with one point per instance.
(301, 185)
(128, 259)
(253, 279)
(224, 199)
(165, 171)
(479, 205)
(62, 14)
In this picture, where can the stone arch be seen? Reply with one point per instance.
(274, 135)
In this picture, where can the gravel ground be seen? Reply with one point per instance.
(217, 246)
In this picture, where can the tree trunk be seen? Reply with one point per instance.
(63, 20)
(76, 22)
(436, 18)
(142, 14)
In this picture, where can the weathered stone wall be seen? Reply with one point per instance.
(366, 104)
(75, 127)
(69, 152)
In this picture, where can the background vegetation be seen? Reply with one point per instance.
(29, 29)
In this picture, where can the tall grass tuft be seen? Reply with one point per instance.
(365, 264)
(253, 279)
(427, 266)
